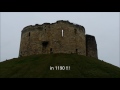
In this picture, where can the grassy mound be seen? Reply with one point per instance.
(38, 66)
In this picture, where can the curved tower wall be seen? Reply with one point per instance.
(59, 37)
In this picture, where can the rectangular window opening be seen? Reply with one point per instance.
(62, 33)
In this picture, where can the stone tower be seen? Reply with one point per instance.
(91, 46)
(59, 37)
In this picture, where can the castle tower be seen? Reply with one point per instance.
(91, 46)
(59, 37)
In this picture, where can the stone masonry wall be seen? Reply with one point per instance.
(91, 46)
(47, 38)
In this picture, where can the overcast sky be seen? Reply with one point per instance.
(104, 26)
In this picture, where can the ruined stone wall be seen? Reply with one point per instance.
(47, 38)
(91, 46)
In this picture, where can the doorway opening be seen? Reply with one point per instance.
(51, 50)
(76, 50)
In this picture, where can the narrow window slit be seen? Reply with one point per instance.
(62, 33)
(76, 50)
(50, 50)
(29, 34)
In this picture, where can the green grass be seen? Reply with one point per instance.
(38, 66)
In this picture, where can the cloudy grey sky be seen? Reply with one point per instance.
(104, 26)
